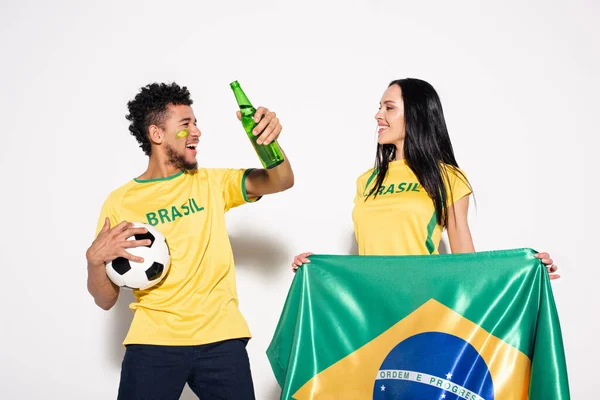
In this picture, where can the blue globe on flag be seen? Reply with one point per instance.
(433, 365)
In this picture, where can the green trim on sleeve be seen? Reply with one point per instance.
(373, 174)
(458, 185)
(246, 199)
(430, 228)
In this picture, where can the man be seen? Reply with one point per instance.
(188, 328)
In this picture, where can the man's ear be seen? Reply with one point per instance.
(155, 134)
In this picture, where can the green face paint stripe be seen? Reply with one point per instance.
(182, 134)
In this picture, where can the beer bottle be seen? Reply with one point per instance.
(270, 155)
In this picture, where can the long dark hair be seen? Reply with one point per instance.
(427, 147)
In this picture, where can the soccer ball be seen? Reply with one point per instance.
(157, 260)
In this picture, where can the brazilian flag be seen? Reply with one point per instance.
(477, 326)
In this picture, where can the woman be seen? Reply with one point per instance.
(416, 188)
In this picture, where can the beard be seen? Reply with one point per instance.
(178, 160)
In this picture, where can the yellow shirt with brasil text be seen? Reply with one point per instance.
(401, 220)
(196, 303)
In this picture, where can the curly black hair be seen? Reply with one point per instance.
(149, 107)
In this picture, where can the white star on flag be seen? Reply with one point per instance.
(382, 388)
(449, 375)
(444, 396)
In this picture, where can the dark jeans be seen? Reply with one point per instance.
(213, 371)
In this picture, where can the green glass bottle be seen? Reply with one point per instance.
(270, 155)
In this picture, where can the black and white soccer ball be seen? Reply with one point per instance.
(157, 260)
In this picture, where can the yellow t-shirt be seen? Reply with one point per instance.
(197, 302)
(401, 220)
